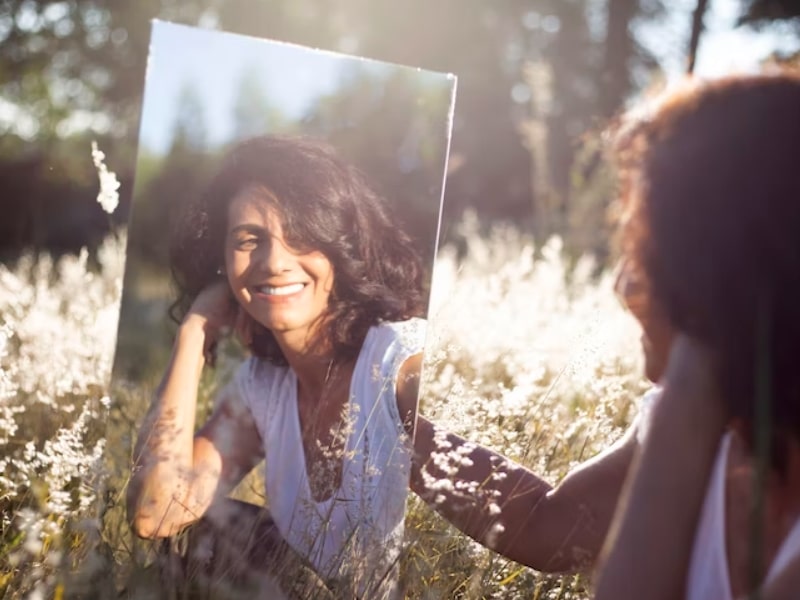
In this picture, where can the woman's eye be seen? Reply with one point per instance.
(247, 243)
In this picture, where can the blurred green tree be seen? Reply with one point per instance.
(73, 65)
(171, 179)
(253, 112)
(403, 114)
(70, 71)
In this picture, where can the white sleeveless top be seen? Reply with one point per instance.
(358, 532)
(708, 576)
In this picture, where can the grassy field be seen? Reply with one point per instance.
(530, 355)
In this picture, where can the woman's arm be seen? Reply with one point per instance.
(178, 474)
(507, 507)
(650, 546)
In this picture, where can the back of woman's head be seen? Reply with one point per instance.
(324, 204)
(711, 181)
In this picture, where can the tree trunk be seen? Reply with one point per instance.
(619, 49)
(697, 29)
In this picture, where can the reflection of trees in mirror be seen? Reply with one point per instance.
(253, 111)
(403, 155)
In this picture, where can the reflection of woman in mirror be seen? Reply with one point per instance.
(290, 248)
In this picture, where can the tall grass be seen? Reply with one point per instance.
(57, 328)
(528, 354)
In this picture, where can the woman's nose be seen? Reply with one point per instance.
(275, 257)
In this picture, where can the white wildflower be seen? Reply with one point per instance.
(494, 532)
(108, 197)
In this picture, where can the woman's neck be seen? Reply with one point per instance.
(312, 361)
(314, 374)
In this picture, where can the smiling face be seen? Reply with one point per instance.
(285, 289)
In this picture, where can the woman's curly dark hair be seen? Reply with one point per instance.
(711, 194)
(324, 204)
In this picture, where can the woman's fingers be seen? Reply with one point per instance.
(215, 311)
(690, 365)
(689, 383)
(216, 305)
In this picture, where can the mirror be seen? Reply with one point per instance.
(206, 93)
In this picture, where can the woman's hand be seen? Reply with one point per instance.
(690, 399)
(214, 312)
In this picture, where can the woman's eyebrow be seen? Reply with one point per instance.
(246, 228)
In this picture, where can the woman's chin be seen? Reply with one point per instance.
(653, 366)
(653, 374)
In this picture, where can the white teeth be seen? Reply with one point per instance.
(283, 290)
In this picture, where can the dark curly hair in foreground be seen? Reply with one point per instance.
(324, 204)
(711, 194)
